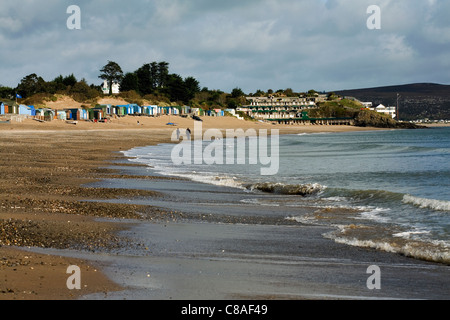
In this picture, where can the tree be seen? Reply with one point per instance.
(6, 92)
(289, 92)
(61, 83)
(69, 80)
(30, 85)
(176, 88)
(111, 72)
(192, 87)
(260, 93)
(162, 74)
(237, 93)
(129, 82)
(312, 93)
(154, 74)
(144, 79)
(82, 92)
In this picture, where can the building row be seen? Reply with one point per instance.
(278, 108)
(102, 112)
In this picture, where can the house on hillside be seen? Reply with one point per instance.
(386, 110)
(115, 87)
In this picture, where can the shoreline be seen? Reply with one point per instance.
(217, 248)
(42, 189)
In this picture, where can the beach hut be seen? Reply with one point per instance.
(177, 110)
(219, 112)
(107, 109)
(46, 114)
(149, 110)
(121, 110)
(137, 109)
(185, 110)
(78, 114)
(27, 110)
(128, 108)
(2, 108)
(84, 114)
(210, 113)
(165, 110)
(73, 114)
(96, 114)
(198, 111)
(61, 115)
(14, 109)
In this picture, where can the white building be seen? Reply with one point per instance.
(115, 87)
(386, 110)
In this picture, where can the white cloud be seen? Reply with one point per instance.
(250, 44)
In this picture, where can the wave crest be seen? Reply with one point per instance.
(439, 205)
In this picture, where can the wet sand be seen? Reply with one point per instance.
(218, 246)
(43, 167)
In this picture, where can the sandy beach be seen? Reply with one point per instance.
(43, 167)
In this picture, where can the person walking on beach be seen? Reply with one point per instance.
(188, 133)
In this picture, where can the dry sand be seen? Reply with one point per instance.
(42, 168)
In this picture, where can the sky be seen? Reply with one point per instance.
(324, 45)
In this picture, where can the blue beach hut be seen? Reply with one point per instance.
(127, 108)
(137, 109)
(27, 110)
(150, 110)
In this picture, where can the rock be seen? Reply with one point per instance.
(368, 118)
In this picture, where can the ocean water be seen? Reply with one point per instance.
(388, 190)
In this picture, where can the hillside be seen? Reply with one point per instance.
(417, 101)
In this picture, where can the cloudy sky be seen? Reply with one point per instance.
(250, 44)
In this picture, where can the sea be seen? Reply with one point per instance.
(384, 189)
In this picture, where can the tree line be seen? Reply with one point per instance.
(152, 81)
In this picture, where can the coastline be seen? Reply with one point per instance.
(43, 169)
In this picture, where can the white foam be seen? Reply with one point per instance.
(259, 202)
(335, 199)
(439, 205)
(209, 178)
(303, 219)
(408, 234)
(373, 214)
(431, 251)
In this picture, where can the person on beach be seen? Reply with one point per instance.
(188, 133)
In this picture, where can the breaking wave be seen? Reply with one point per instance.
(434, 251)
(287, 189)
(438, 205)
